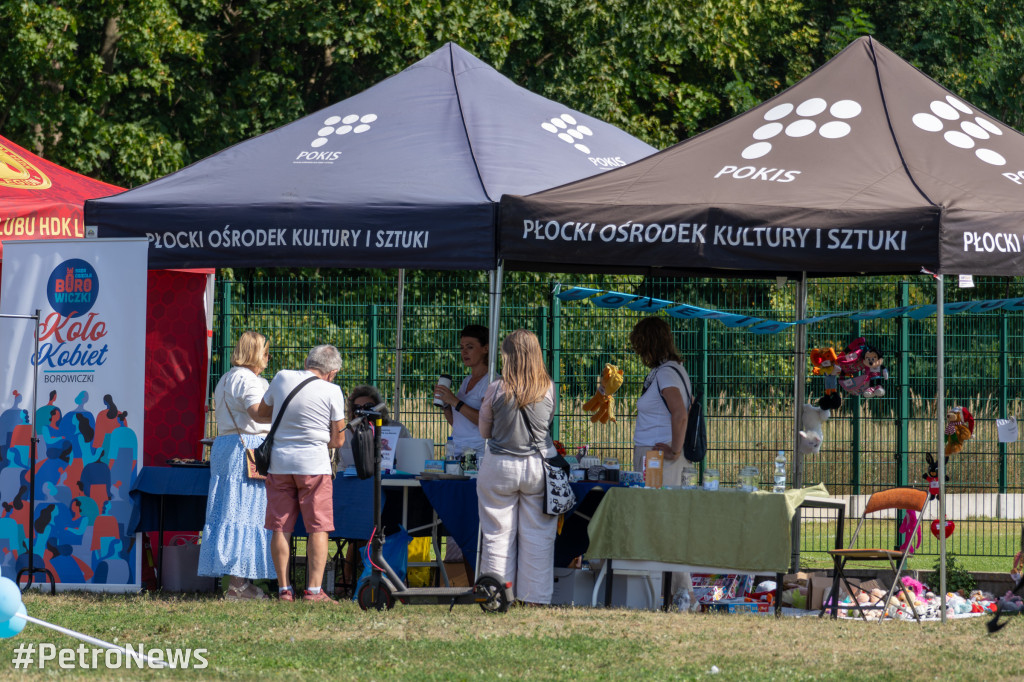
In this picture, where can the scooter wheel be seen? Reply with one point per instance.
(379, 599)
(494, 590)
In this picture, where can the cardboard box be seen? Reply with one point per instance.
(573, 587)
(821, 588)
(456, 571)
(799, 579)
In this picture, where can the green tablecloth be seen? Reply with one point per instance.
(721, 528)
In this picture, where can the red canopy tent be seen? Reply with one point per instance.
(41, 200)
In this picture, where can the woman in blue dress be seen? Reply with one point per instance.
(235, 543)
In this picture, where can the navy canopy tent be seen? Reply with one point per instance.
(406, 174)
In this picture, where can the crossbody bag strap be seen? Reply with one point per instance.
(237, 430)
(284, 405)
(689, 392)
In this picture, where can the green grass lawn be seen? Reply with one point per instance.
(271, 640)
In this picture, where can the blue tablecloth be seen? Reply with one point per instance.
(184, 491)
(456, 505)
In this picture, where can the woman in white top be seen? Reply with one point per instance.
(462, 409)
(663, 407)
(234, 540)
(518, 536)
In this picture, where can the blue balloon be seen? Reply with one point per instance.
(13, 626)
(10, 598)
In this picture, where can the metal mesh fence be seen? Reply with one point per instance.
(747, 379)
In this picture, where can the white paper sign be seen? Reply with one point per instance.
(966, 281)
(388, 446)
(1007, 429)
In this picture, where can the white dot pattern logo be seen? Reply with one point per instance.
(805, 123)
(970, 132)
(351, 123)
(567, 130)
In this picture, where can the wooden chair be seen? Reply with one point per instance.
(907, 499)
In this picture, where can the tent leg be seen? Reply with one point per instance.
(397, 400)
(495, 278)
(940, 408)
(799, 390)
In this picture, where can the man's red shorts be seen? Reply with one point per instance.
(287, 494)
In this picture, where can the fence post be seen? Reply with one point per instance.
(855, 426)
(556, 357)
(903, 402)
(703, 383)
(225, 326)
(372, 333)
(544, 332)
(1004, 397)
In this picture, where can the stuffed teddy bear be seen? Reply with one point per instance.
(812, 436)
(959, 428)
(824, 361)
(602, 404)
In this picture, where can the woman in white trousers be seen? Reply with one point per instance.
(518, 537)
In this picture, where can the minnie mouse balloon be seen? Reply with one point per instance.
(10, 598)
(950, 526)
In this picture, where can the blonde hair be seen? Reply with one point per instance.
(526, 379)
(249, 351)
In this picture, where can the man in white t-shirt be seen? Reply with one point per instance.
(300, 464)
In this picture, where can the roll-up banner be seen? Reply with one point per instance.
(88, 405)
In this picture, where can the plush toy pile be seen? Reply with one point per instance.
(959, 428)
(926, 603)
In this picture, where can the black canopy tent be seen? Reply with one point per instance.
(406, 174)
(864, 166)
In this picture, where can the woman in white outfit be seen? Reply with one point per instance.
(462, 410)
(663, 407)
(518, 537)
(662, 411)
(234, 540)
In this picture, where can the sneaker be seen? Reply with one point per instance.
(287, 595)
(320, 596)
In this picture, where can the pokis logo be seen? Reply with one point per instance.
(334, 126)
(72, 288)
(16, 171)
(812, 117)
(964, 128)
(568, 130)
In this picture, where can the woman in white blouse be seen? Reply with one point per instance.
(235, 543)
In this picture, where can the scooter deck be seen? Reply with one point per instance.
(436, 593)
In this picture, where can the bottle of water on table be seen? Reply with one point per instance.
(780, 472)
(449, 449)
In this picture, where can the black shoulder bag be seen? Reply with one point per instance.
(262, 453)
(695, 445)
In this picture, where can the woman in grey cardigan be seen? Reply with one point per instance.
(518, 537)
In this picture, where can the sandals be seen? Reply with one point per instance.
(248, 592)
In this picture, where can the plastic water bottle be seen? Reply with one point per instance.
(449, 449)
(780, 472)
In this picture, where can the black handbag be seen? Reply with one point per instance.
(261, 454)
(363, 448)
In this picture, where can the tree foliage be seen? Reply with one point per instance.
(128, 92)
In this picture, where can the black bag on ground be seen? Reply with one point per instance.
(362, 448)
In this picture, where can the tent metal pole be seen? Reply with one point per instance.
(397, 401)
(799, 390)
(940, 408)
(494, 319)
